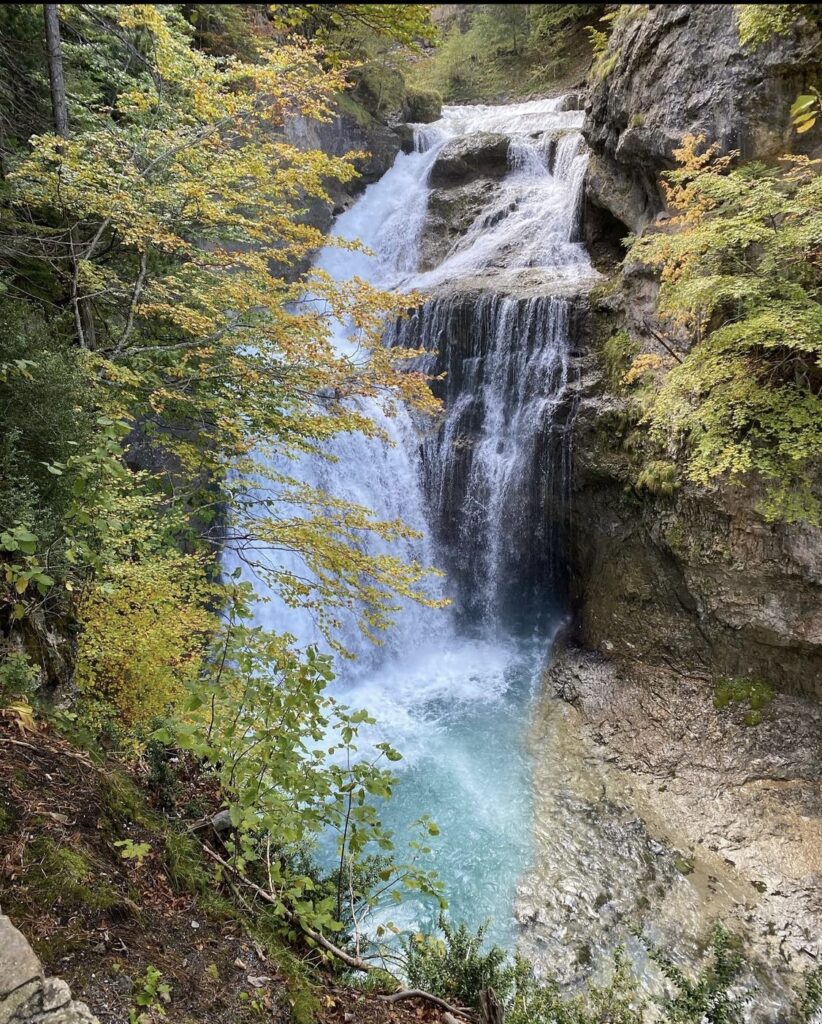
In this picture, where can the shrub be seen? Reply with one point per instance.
(456, 967)
(144, 632)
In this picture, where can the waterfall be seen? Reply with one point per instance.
(496, 472)
(486, 486)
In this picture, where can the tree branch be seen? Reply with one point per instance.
(356, 963)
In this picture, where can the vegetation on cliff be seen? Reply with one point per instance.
(740, 272)
(502, 52)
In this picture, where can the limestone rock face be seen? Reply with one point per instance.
(341, 135)
(680, 69)
(26, 996)
(696, 581)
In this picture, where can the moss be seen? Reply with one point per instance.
(60, 875)
(421, 105)
(617, 354)
(676, 537)
(346, 104)
(684, 866)
(609, 287)
(756, 693)
(658, 477)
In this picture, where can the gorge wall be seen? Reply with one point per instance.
(672, 593)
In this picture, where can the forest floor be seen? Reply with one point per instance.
(100, 920)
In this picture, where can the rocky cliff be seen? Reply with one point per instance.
(678, 69)
(685, 599)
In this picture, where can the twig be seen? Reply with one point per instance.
(661, 341)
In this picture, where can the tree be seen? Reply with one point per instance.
(182, 197)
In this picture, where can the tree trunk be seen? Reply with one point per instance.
(56, 78)
(83, 319)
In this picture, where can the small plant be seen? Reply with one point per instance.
(151, 997)
(806, 110)
(129, 850)
(658, 477)
(17, 680)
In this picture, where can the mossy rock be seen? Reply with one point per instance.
(421, 106)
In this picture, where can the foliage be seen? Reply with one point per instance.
(618, 351)
(805, 111)
(502, 50)
(713, 996)
(145, 629)
(150, 997)
(286, 758)
(742, 274)
(220, 361)
(808, 1004)
(17, 676)
(547, 19)
(403, 24)
(129, 850)
(161, 351)
(759, 23)
(457, 967)
(658, 477)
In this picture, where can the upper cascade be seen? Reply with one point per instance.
(496, 450)
(528, 220)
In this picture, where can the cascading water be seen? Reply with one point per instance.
(485, 489)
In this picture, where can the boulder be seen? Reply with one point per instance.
(26, 995)
(484, 155)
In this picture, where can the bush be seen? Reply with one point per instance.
(17, 676)
(456, 967)
(142, 642)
